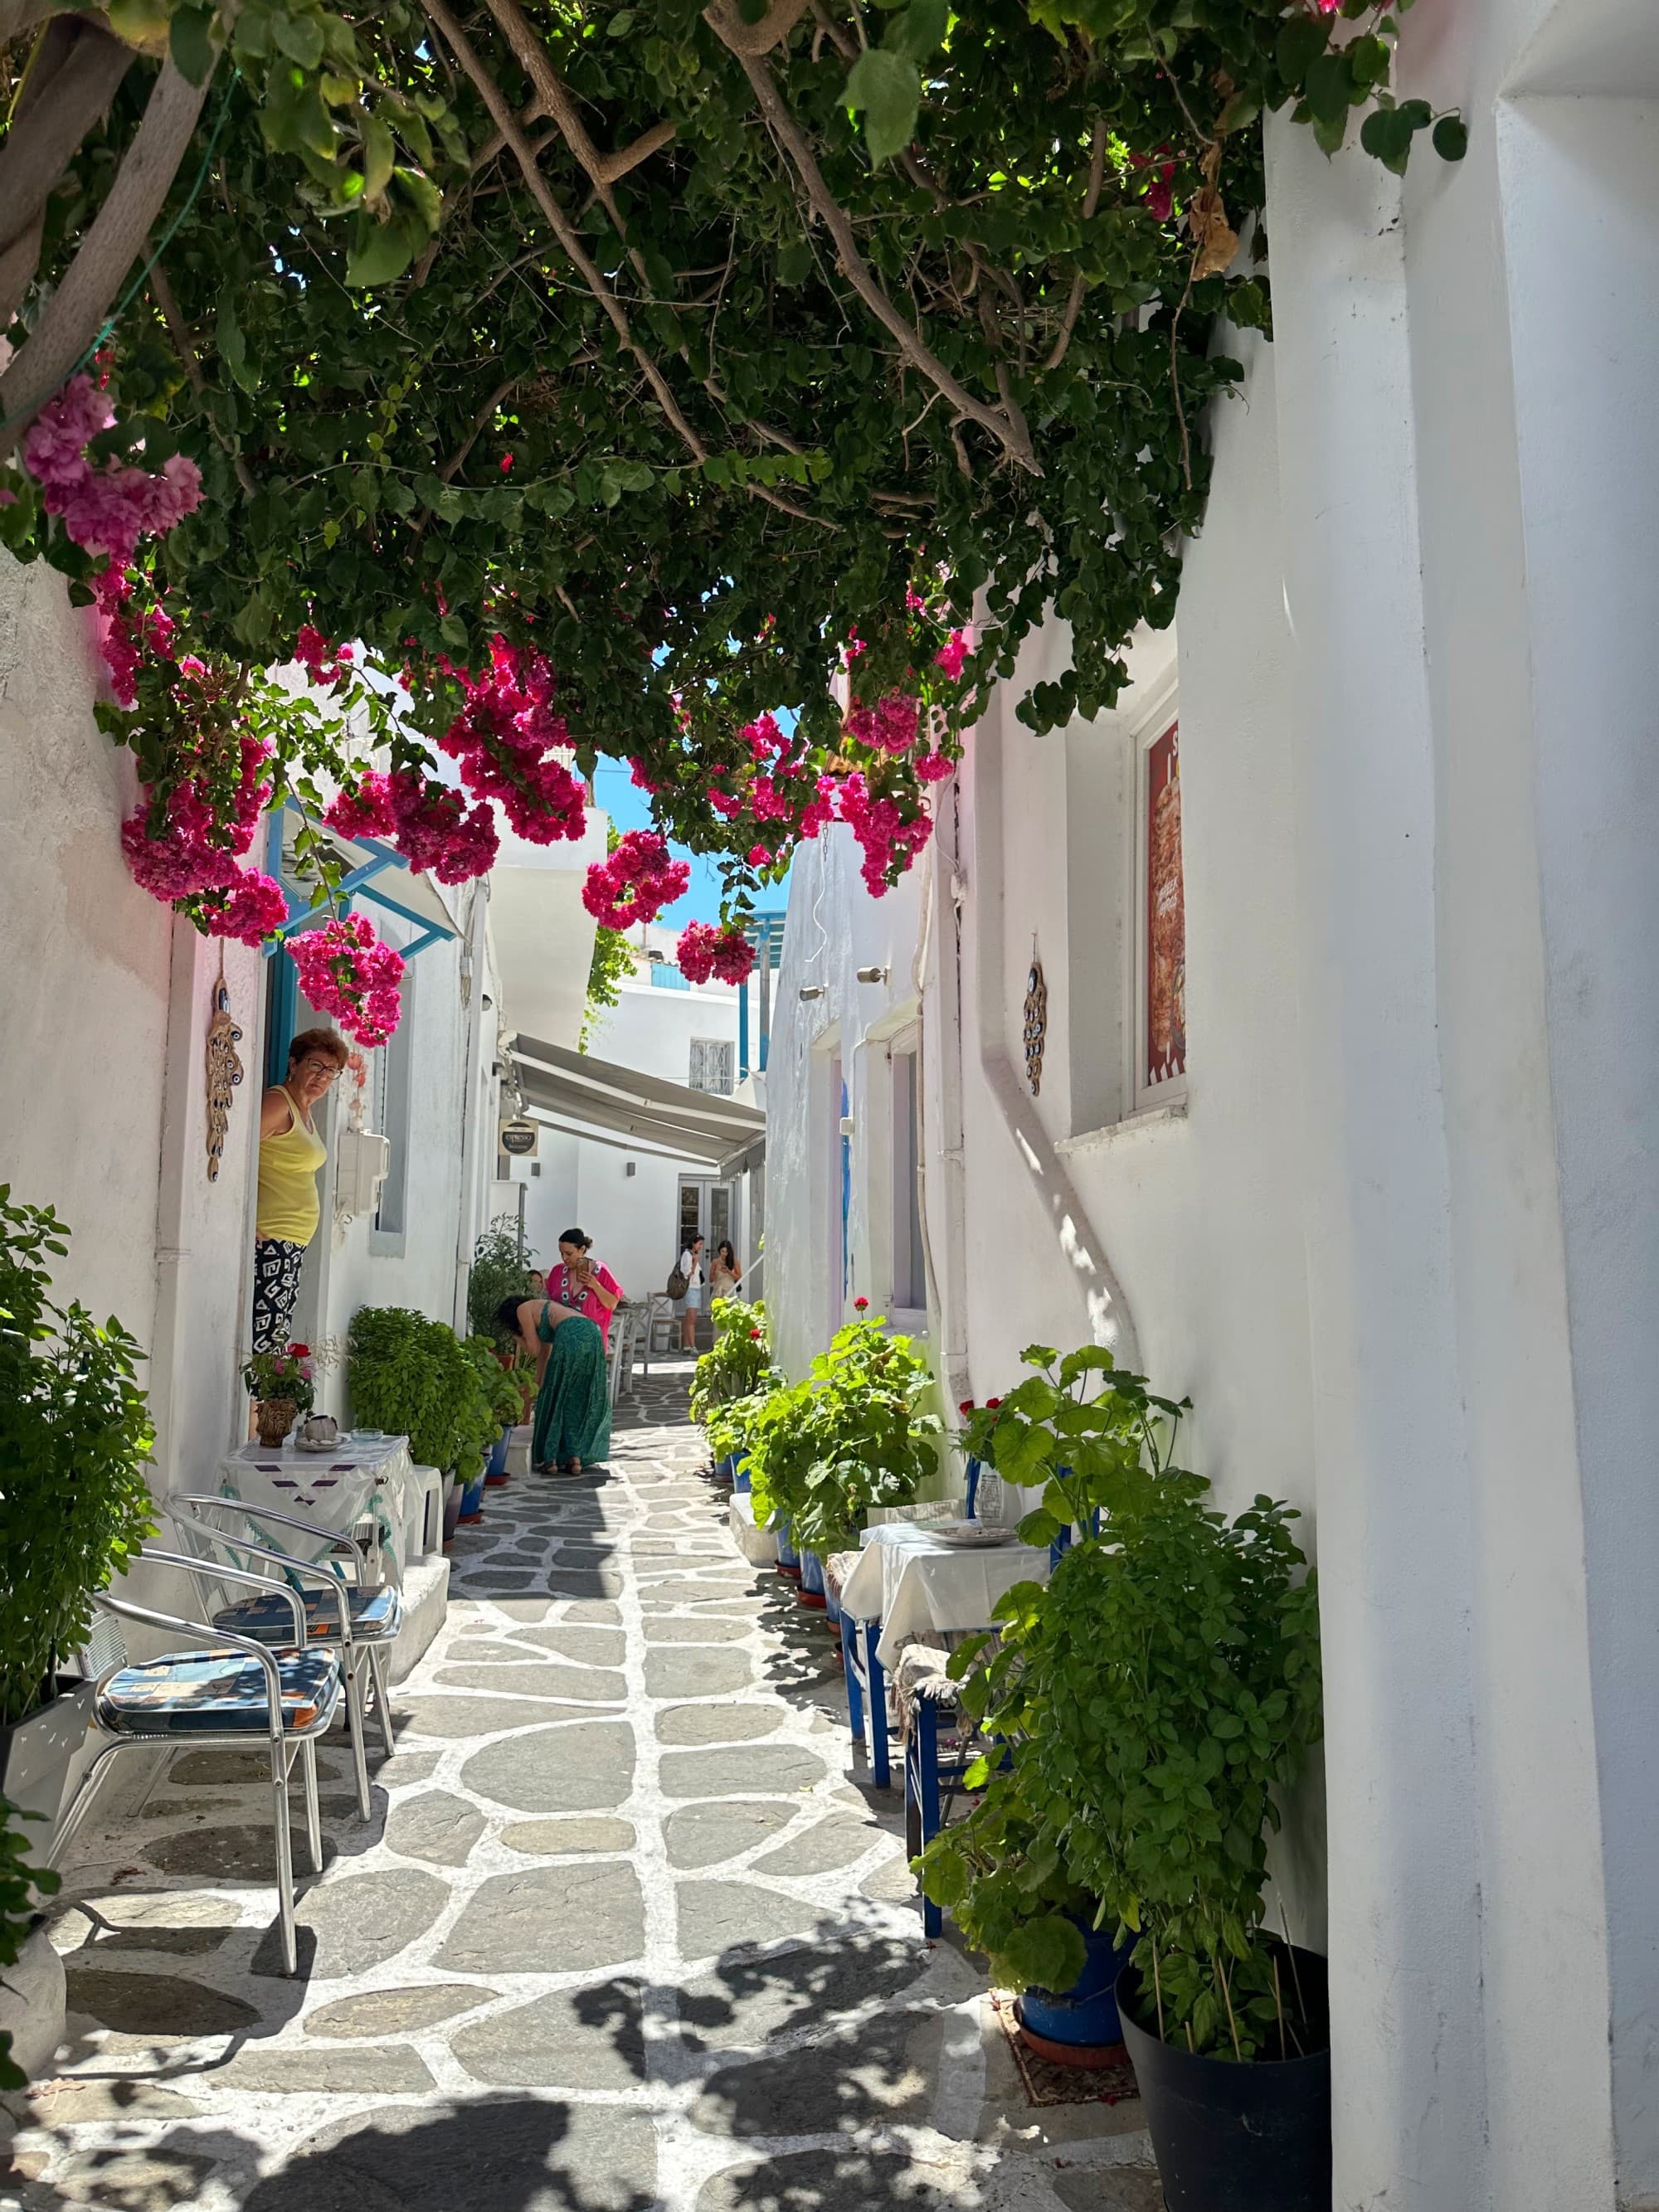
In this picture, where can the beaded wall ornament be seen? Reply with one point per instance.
(224, 1070)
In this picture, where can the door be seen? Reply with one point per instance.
(708, 1209)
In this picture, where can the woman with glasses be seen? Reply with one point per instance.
(290, 1153)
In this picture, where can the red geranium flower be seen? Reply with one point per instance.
(859, 1304)
(991, 1405)
(966, 1407)
(300, 1350)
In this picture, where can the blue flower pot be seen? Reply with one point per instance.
(472, 1501)
(740, 1471)
(724, 1468)
(811, 1580)
(495, 1471)
(831, 1603)
(788, 1557)
(1086, 2014)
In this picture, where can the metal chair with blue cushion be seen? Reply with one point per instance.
(234, 1692)
(359, 1618)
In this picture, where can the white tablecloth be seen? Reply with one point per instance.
(360, 1479)
(912, 1583)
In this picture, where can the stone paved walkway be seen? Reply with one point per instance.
(625, 1931)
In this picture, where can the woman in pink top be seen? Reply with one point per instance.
(582, 1283)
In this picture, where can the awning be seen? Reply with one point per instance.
(595, 1098)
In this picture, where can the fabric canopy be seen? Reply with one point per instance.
(595, 1097)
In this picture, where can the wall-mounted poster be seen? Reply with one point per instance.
(1166, 913)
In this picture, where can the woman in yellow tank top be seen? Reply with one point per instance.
(290, 1153)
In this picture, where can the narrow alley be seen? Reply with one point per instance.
(625, 1931)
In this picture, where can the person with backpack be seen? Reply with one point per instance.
(688, 1296)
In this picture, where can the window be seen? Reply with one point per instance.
(1160, 1028)
(712, 1064)
(909, 1268)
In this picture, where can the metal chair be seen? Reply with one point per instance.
(659, 1314)
(359, 1618)
(213, 1695)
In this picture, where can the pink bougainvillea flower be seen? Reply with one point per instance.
(635, 883)
(345, 970)
(951, 654)
(704, 950)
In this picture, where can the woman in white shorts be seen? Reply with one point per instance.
(691, 1305)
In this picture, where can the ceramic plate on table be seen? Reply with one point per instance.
(972, 1535)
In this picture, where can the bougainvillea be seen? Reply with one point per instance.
(106, 505)
(704, 950)
(508, 738)
(430, 823)
(345, 970)
(635, 883)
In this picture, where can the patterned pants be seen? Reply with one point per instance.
(277, 1266)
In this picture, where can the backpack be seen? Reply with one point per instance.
(678, 1282)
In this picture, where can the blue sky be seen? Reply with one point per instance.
(629, 808)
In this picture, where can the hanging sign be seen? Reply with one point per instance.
(518, 1137)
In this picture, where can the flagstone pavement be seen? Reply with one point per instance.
(628, 1928)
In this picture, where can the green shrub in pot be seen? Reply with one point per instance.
(1158, 1696)
(414, 1377)
(852, 1437)
(75, 1438)
(737, 1361)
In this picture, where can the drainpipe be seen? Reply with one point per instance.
(1080, 1247)
(949, 1298)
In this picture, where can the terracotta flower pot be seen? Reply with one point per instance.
(274, 1417)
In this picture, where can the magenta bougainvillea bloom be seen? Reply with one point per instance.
(345, 970)
(704, 950)
(636, 881)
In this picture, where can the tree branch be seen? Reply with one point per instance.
(72, 79)
(749, 40)
(1009, 428)
(551, 91)
(1090, 201)
(75, 313)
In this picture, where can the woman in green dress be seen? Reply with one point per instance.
(572, 1396)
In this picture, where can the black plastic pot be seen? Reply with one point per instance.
(1231, 2138)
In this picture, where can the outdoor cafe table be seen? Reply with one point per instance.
(913, 1582)
(360, 1479)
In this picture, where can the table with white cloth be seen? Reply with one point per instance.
(913, 1582)
(358, 1479)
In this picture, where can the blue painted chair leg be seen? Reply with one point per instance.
(849, 1629)
(972, 1502)
(875, 1680)
(925, 1738)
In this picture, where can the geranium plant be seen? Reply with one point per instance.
(852, 1435)
(1091, 1432)
(288, 1372)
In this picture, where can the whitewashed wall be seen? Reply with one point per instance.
(1398, 1243)
(103, 1008)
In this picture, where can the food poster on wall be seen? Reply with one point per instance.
(1166, 913)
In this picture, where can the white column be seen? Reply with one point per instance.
(1393, 1523)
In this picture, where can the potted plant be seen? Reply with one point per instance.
(283, 1385)
(75, 1504)
(501, 1264)
(31, 1972)
(824, 1452)
(737, 1366)
(1157, 1697)
(414, 1377)
(495, 1413)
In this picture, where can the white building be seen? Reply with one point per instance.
(105, 1009)
(1389, 1215)
(639, 1188)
